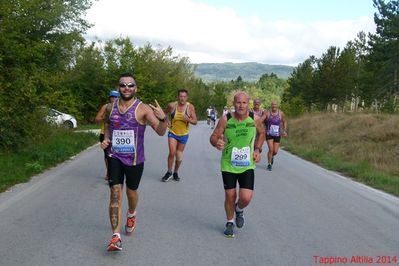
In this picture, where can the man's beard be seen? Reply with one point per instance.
(128, 98)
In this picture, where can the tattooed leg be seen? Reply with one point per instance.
(115, 208)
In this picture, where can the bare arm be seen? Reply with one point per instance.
(193, 116)
(261, 133)
(169, 108)
(155, 116)
(101, 113)
(217, 138)
(285, 134)
(106, 140)
(265, 116)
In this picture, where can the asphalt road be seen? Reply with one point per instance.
(301, 214)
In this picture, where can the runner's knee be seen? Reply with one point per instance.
(179, 156)
(230, 194)
(245, 199)
(172, 153)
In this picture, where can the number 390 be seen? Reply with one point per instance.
(121, 141)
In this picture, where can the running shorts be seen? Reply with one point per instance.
(182, 139)
(245, 179)
(117, 172)
(275, 139)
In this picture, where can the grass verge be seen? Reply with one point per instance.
(363, 147)
(360, 171)
(19, 167)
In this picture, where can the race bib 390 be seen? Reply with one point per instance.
(123, 141)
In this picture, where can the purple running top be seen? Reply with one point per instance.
(126, 135)
(273, 125)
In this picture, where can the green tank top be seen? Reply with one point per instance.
(237, 156)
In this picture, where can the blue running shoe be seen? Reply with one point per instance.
(229, 230)
(240, 221)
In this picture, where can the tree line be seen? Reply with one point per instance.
(45, 61)
(361, 76)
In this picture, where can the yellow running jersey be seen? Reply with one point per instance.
(179, 126)
(102, 129)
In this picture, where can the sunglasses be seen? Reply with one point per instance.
(128, 85)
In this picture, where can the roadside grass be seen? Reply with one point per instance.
(19, 167)
(364, 147)
(88, 126)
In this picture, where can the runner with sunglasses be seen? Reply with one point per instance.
(125, 123)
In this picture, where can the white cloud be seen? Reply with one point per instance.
(209, 34)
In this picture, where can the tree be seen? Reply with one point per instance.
(384, 56)
(36, 43)
(301, 83)
(218, 96)
(361, 49)
(269, 88)
(347, 76)
(86, 80)
(326, 78)
(159, 74)
(199, 96)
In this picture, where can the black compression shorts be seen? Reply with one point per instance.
(117, 172)
(245, 179)
(275, 139)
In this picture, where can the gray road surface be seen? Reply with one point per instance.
(300, 214)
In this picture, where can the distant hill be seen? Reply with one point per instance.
(248, 71)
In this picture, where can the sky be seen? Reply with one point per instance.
(284, 32)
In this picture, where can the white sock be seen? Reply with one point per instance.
(238, 209)
(230, 221)
(117, 234)
(130, 215)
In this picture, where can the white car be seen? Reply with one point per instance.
(61, 119)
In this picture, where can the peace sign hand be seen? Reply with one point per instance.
(158, 112)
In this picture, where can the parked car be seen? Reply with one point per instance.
(61, 119)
